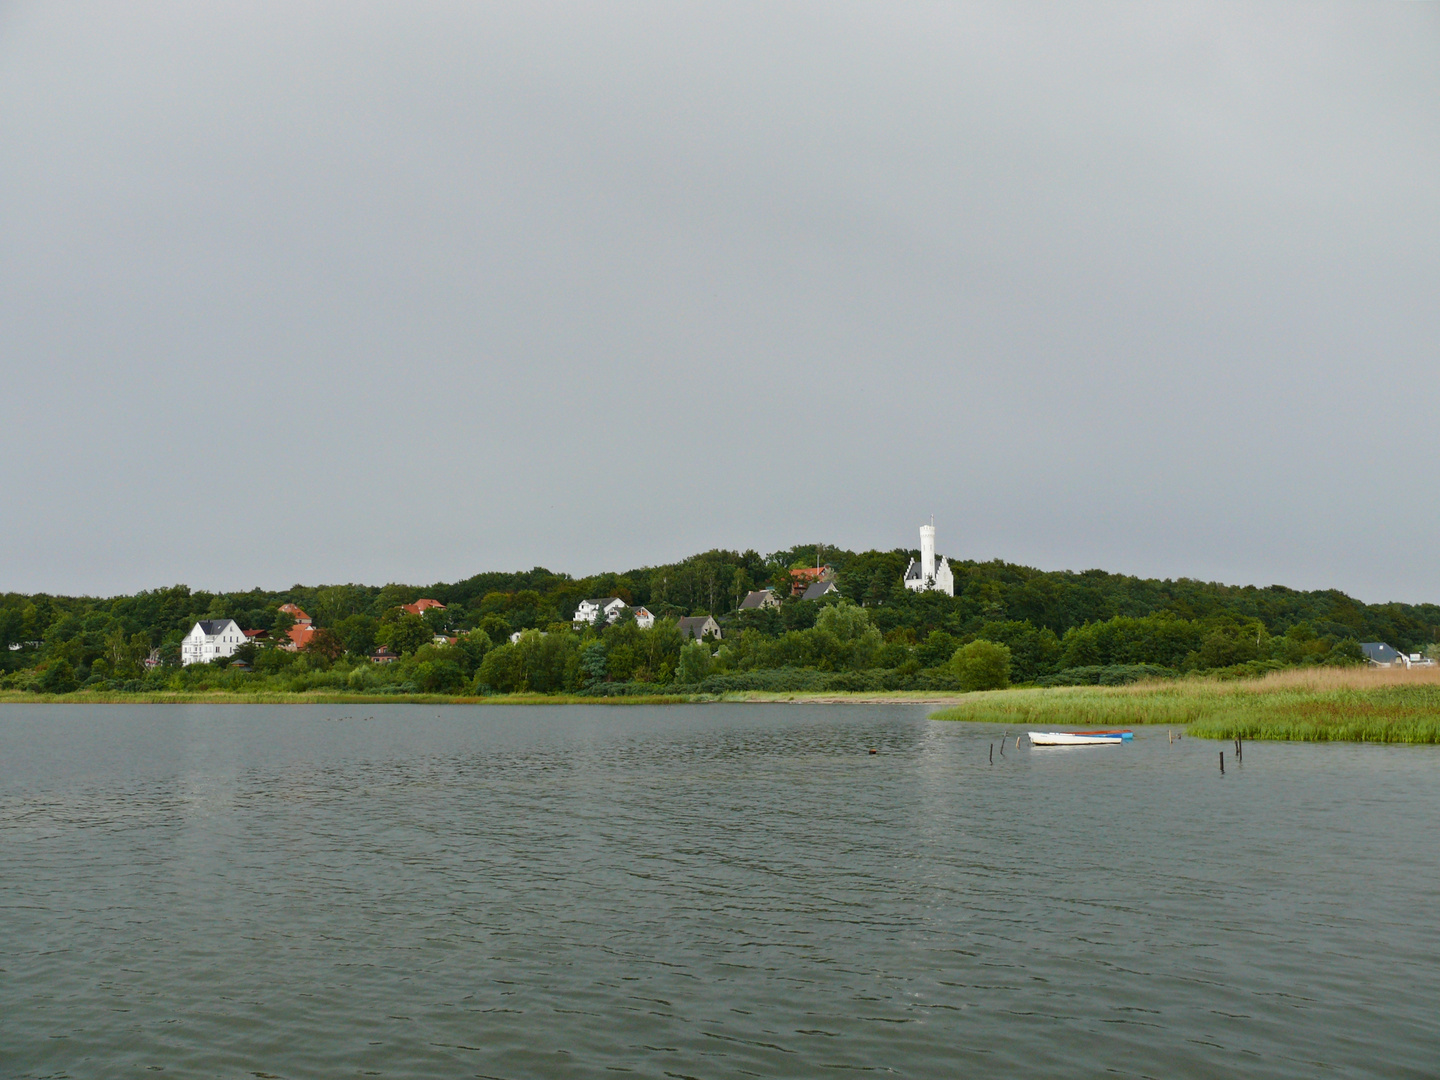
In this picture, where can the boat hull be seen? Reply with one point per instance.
(1078, 738)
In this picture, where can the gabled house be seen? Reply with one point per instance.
(259, 637)
(297, 637)
(819, 589)
(607, 606)
(759, 600)
(805, 576)
(1379, 654)
(699, 627)
(383, 655)
(210, 638)
(301, 619)
(643, 618)
(419, 607)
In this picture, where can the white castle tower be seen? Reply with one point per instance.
(925, 575)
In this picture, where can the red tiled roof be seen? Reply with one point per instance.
(295, 613)
(423, 605)
(300, 636)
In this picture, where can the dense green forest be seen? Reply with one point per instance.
(1046, 627)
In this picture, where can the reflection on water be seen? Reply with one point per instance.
(713, 891)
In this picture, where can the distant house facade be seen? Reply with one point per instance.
(759, 600)
(1379, 654)
(419, 607)
(643, 618)
(383, 655)
(924, 574)
(210, 639)
(608, 607)
(699, 627)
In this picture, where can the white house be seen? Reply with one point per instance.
(210, 638)
(924, 575)
(643, 618)
(590, 610)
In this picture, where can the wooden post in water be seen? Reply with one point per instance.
(1222, 762)
(992, 753)
(1239, 751)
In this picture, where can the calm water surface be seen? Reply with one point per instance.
(710, 891)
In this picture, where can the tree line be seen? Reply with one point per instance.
(1006, 623)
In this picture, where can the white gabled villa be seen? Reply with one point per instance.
(923, 575)
(590, 610)
(210, 638)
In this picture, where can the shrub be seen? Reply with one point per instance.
(981, 665)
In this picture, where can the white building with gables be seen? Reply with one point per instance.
(924, 574)
(608, 607)
(210, 638)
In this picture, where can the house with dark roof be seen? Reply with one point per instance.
(819, 589)
(759, 600)
(805, 576)
(1379, 654)
(699, 627)
(211, 638)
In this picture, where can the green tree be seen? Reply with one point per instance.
(592, 663)
(358, 634)
(406, 634)
(981, 665)
(694, 663)
(57, 678)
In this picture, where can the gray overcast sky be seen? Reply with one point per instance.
(332, 292)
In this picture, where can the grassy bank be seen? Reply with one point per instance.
(1306, 705)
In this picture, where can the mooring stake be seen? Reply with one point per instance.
(1222, 762)
(992, 753)
(1239, 751)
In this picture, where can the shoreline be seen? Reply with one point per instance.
(1299, 705)
(223, 697)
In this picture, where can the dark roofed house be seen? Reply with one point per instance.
(699, 627)
(759, 599)
(1380, 654)
(819, 589)
(808, 575)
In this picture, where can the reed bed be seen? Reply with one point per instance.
(1303, 705)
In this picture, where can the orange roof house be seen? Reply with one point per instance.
(295, 613)
(419, 607)
(299, 635)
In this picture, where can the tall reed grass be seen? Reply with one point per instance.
(1305, 704)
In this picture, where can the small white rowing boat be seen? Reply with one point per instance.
(1079, 738)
